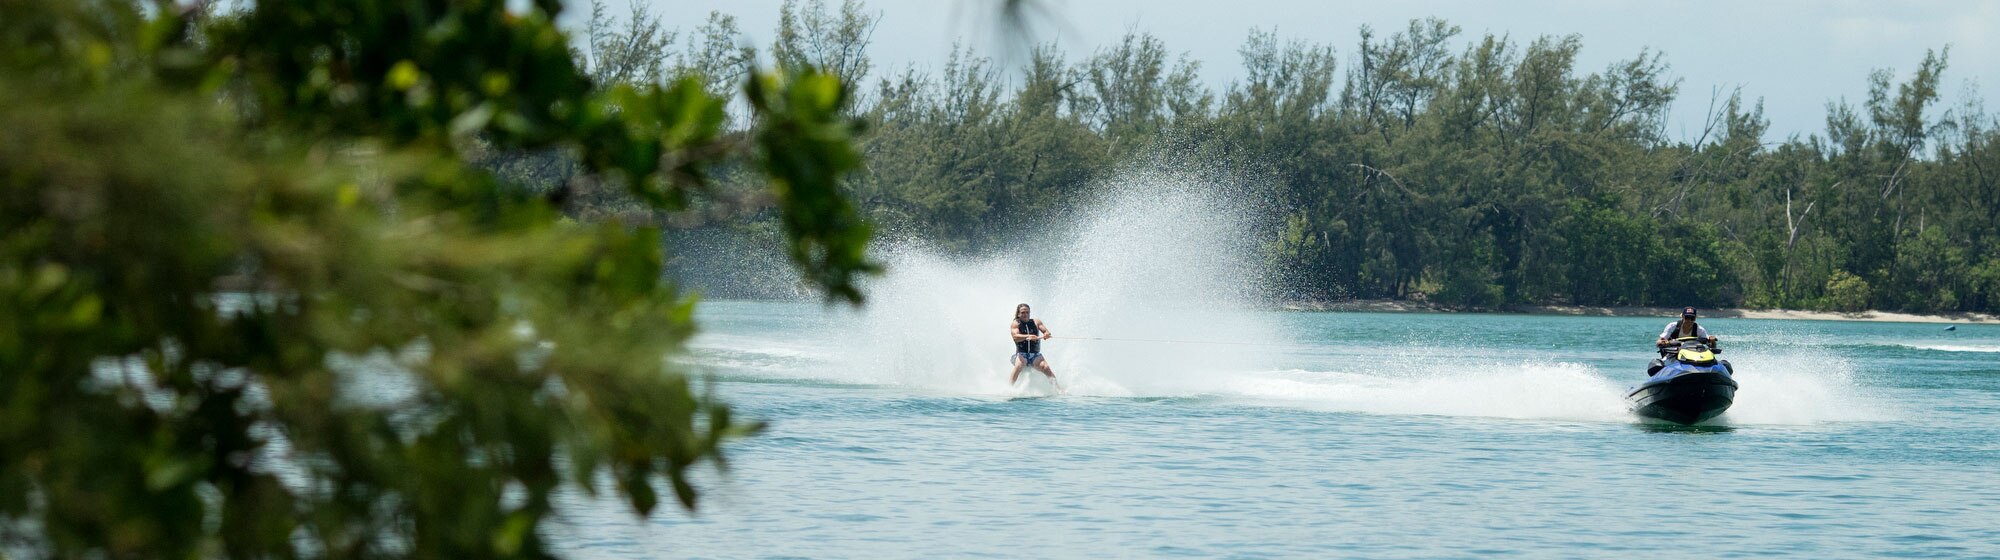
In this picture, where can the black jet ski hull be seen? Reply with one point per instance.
(1684, 397)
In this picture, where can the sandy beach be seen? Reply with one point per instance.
(1392, 306)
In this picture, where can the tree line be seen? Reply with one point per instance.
(1421, 163)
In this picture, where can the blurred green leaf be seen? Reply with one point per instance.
(219, 226)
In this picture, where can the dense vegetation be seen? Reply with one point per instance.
(1464, 170)
(256, 302)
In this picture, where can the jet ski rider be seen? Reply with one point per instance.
(1686, 327)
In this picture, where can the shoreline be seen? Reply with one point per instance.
(1394, 306)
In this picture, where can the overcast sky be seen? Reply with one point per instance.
(1794, 54)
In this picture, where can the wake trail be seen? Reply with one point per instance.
(1962, 348)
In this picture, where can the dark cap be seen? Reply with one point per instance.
(1687, 312)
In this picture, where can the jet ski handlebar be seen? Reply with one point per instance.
(1688, 342)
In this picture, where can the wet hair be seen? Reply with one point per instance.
(1018, 308)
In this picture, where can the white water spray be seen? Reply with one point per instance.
(1799, 385)
(1161, 256)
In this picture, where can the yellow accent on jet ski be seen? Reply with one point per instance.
(1699, 355)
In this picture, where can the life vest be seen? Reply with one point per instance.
(1027, 326)
(1687, 330)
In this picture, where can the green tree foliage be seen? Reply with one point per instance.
(1476, 170)
(810, 36)
(226, 234)
(1846, 292)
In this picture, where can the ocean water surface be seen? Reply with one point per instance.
(1292, 434)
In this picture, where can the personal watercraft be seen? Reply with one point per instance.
(1688, 384)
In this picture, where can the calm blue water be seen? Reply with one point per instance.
(1329, 435)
